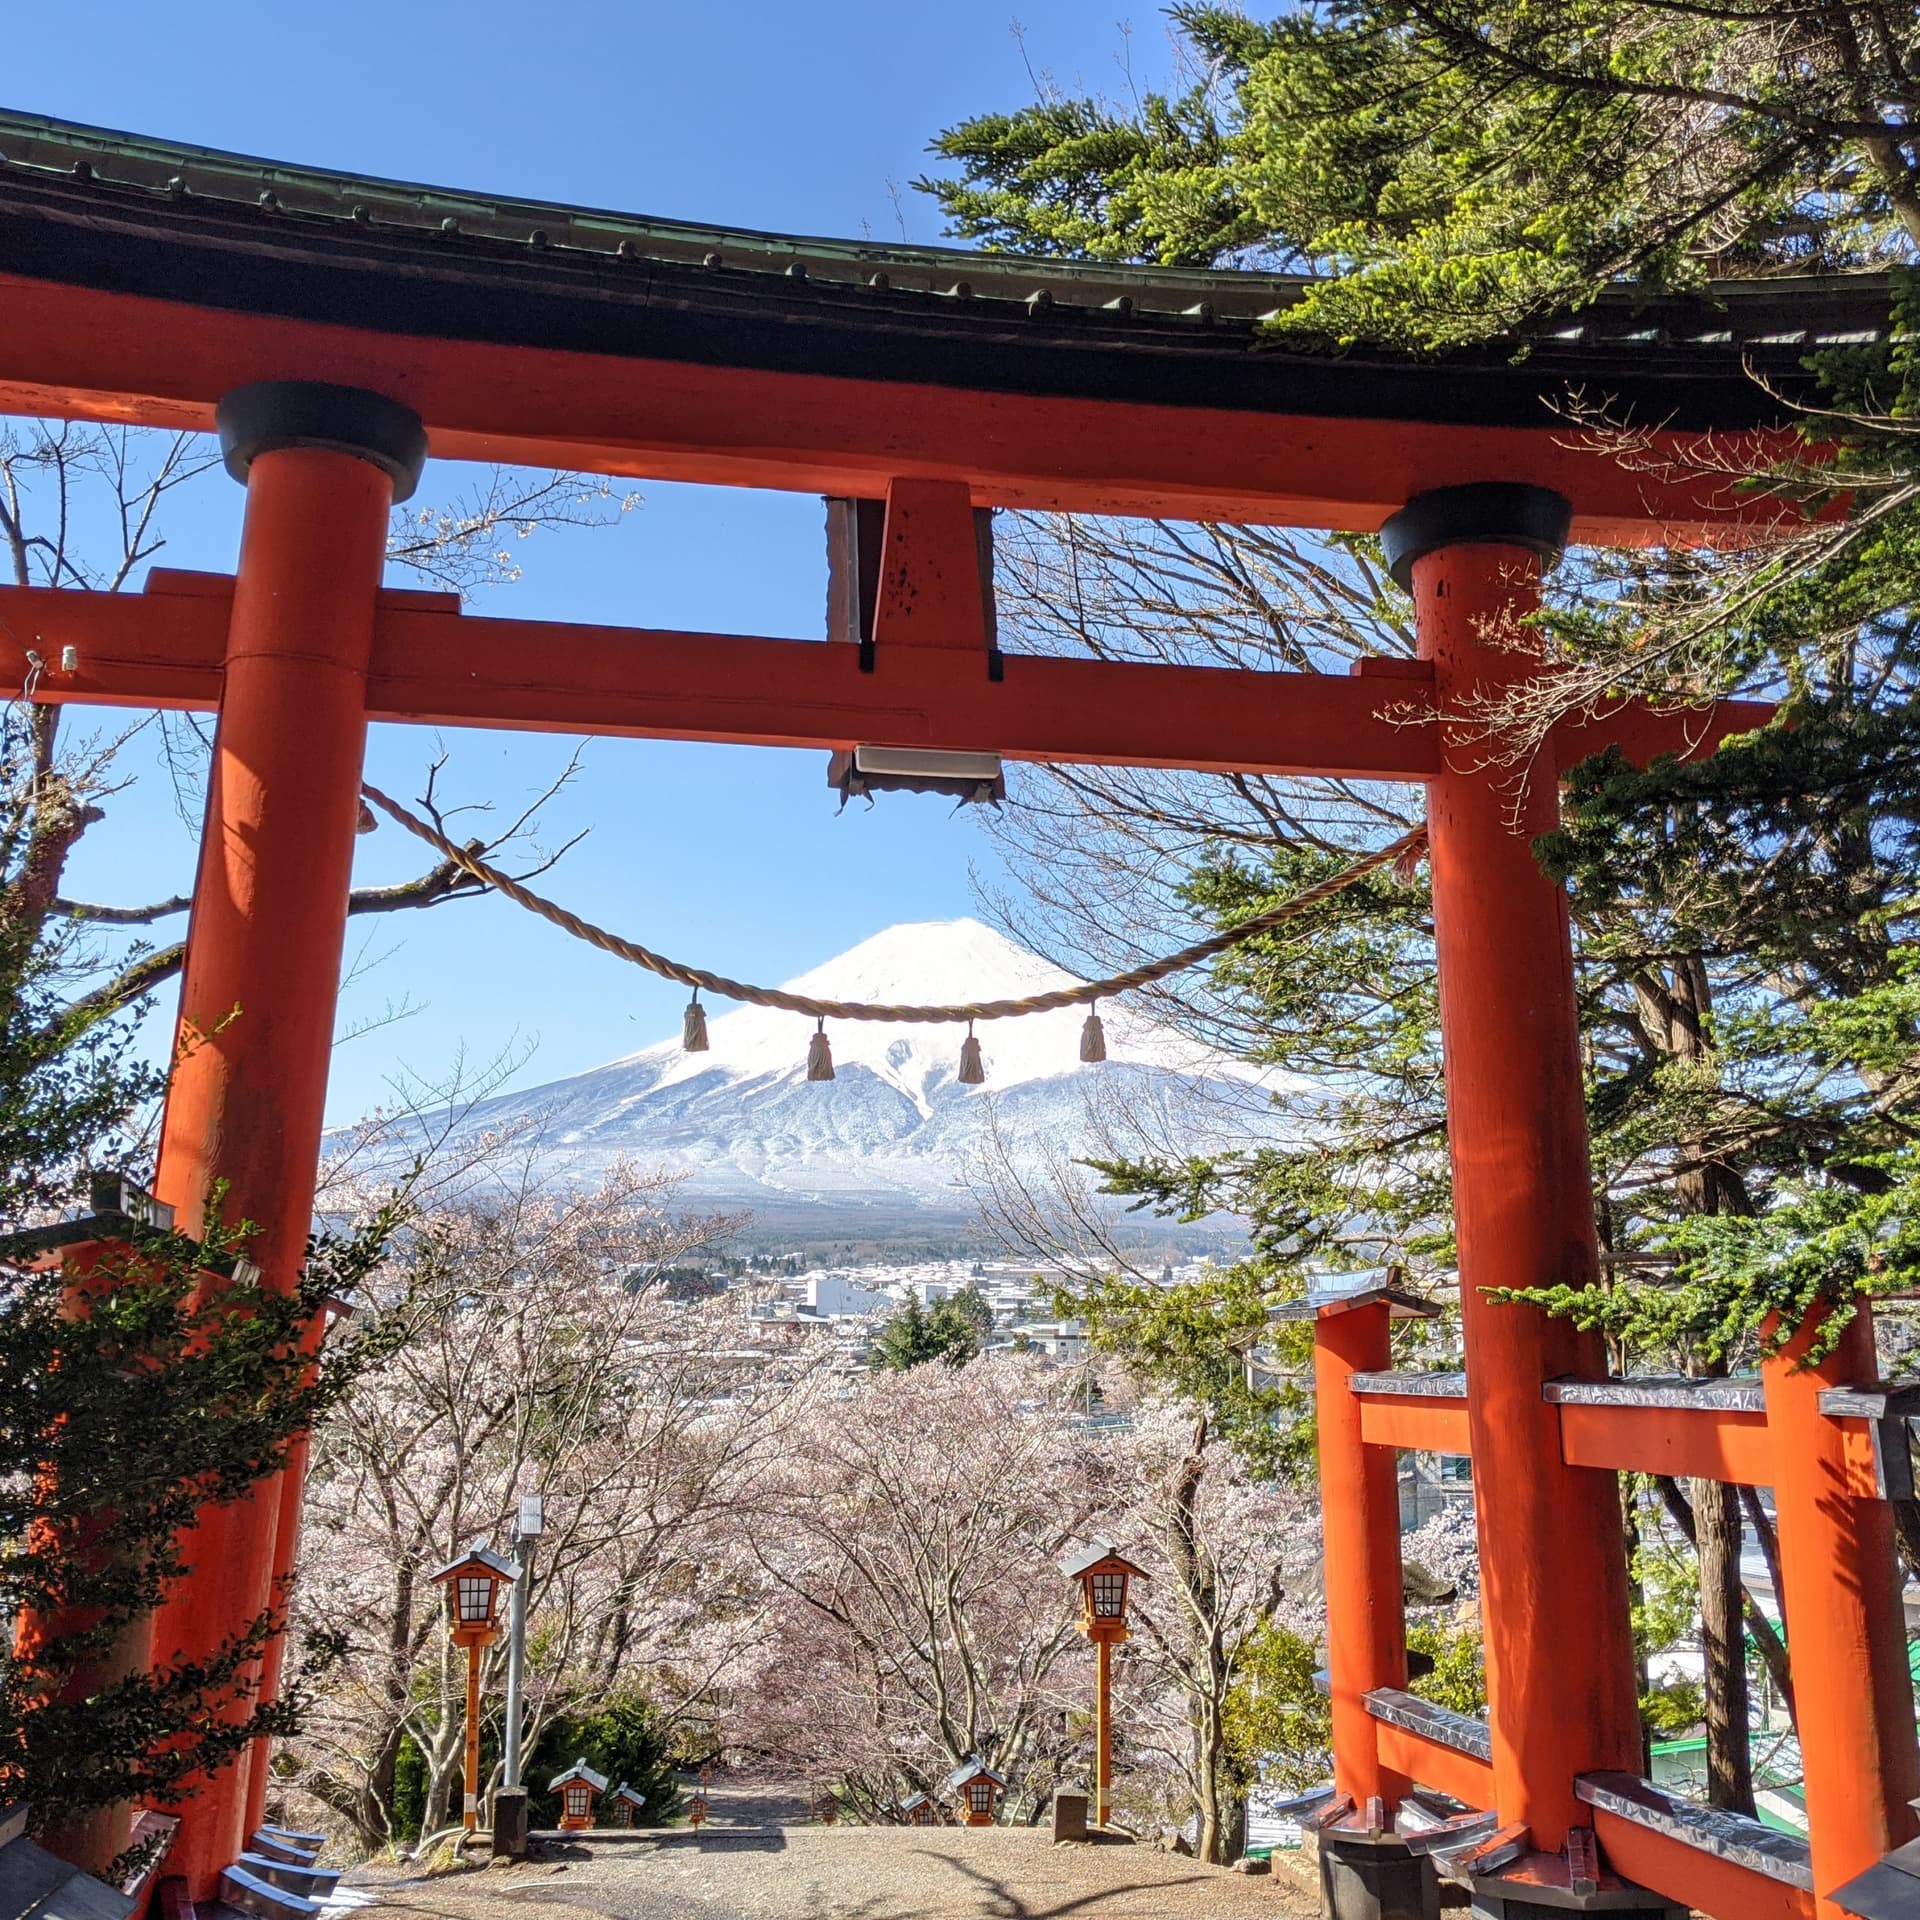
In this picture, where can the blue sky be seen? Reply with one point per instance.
(809, 119)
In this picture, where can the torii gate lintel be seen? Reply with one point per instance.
(305, 646)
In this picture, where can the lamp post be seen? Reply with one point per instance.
(1104, 1578)
(473, 1582)
(527, 1530)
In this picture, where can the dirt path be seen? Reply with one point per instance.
(808, 1872)
(734, 1802)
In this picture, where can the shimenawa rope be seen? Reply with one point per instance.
(718, 983)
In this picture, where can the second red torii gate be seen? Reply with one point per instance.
(333, 345)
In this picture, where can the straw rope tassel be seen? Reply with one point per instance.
(1093, 1040)
(973, 1071)
(693, 1026)
(820, 1054)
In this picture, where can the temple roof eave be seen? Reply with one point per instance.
(152, 217)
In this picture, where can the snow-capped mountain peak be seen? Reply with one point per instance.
(892, 1137)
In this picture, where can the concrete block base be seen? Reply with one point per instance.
(1369, 1877)
(1069, 1816)
(510, 1823)
(1492, 1902)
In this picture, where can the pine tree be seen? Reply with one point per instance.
(1453, 171)
(161, 1378)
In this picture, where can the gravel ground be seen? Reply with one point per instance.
(808, 1872)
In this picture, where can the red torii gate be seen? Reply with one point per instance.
(335, 327)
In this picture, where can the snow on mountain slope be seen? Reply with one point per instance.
(894, 1138)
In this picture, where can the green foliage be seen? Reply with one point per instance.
(1073, 177)
(624, 1738)
(1784, 864)
(954, 1331)
(1458, 1679)
(1191, 1340)
(117, 1423)
(135, 1387)
(1276, 1723)
(1666, 1613)
(409, 1804)
(1452, 167)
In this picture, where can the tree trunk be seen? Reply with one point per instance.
(1707, 1186)
(376, 1829)
(1205, 1661)
(1766, 1636)
(1636, 1597)
(1210, 1837)
(1723, 1642)
(444, 1766)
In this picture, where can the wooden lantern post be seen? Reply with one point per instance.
(579, 1787)
(978, 1786)
(1105, 1579)
(628, 1803)
(473, 1583)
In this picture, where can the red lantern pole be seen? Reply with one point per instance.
(1103, 1735)
(470, 1805)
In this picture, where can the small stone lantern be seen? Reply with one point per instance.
(978, 1786)
(579, 1787)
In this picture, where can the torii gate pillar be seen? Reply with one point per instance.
(322, 467)
(1559, 1651)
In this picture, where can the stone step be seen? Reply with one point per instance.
(246, 1890)
(315, 1882)
(292, 1836)
(287, 1852)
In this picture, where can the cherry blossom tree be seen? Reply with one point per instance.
(1225, 1553)
(906, 1542)
(542, 1356)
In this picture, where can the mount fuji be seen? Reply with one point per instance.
(894, 1146)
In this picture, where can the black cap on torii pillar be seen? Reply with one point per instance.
(272, 415)
(1505, 513)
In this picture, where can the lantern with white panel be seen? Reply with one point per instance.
(1105, 1579)
(579, 1787)
(473, 1584)
(978, 1787)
